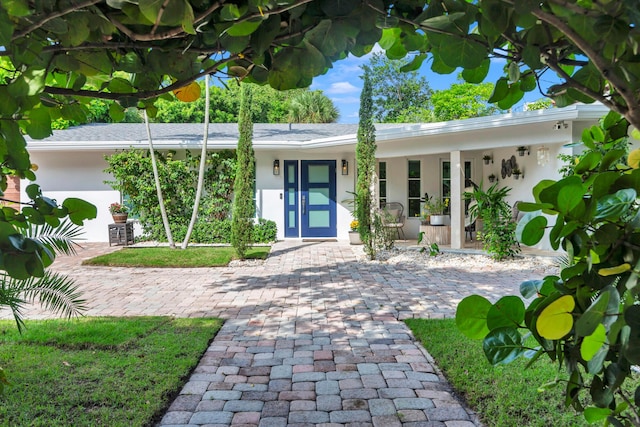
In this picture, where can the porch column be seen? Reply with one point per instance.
(456, 202)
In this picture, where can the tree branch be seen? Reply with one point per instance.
(52, 90)
(159, 17)
(590, 52)
(52, 16)
(569, 82)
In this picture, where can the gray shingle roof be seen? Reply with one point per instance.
(193, 132)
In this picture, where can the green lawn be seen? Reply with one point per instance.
(505, 395)
(193, 256)
(98, 371)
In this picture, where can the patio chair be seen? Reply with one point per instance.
(393, 217)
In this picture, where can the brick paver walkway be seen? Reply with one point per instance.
(312, 336)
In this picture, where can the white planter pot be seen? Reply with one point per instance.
(437, 219)
(354, 238)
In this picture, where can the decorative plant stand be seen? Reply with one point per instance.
(121, 234)
(440, 234)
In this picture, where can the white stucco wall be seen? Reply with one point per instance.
(77, 174)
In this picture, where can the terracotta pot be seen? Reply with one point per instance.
(120, 217)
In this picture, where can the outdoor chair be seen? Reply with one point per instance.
(393, 217)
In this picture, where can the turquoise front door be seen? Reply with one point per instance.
(310, 198)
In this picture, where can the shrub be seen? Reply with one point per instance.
(265, 231)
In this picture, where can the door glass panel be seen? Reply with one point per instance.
(292, 196)
(319, 196)
(318, 174)
(291, 174)
(318, 219)
(292, 219)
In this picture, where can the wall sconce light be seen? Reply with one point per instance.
(559, 125)
(521, 150)
(276, 167)
(345, 167)
(543, 155)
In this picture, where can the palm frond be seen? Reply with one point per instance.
(55, 292)
(10, 297)
(60, 238)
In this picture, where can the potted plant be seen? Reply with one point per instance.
(354, 236)
(492, 177)
(119, 212)
(486, 158)
(516, 173)
(434, 208)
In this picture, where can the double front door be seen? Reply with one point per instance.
(310, 198)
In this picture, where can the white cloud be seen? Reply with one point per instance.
(346, 100)
(340, 88)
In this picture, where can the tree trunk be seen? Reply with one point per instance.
(203, 162)
(154, 164)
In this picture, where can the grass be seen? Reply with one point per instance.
(194, 256)
(505, 395)
(98, 371)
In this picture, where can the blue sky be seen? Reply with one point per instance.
(343, 84)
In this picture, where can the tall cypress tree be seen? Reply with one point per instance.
(366, 161)
(243, 209)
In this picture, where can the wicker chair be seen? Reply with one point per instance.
(393, 217)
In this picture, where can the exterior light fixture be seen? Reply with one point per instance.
(543, 155)
(276, 167)
(559, 125)
(345, 167)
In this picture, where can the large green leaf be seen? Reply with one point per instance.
(593, 414)
(500, 91)
(588, 162)
(512, 97)
(603, 311)
(611, 29)
(530, 288)
(79, 210)
(243, 28)
(530, 228)
(476, 75)
(465, 52)
(471, 316)
(556, 320)
(569, 197)
(508, 311)
(615, 205)
(503, 346)
(39, 124)
(592, 343)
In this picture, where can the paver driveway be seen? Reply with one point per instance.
(312, 336)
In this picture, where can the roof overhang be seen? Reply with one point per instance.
(427, 134)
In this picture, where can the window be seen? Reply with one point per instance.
(413, 205)
(445, 189)
(382, 182)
